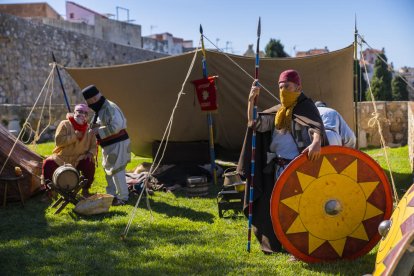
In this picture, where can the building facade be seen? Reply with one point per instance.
(30, 10)
(166, 43)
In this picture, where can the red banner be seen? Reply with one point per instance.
(206, 93)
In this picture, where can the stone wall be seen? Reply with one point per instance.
(411, 134)
(39, 119)
(26, 50)
(393, 120)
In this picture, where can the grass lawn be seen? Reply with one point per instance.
(178, 236)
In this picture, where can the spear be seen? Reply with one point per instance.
(253, 155)
(209, 115)
(61, 84)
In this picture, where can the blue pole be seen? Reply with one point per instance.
(253, 155)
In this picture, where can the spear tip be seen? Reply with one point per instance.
(259, 28)
(356, 30)
(201, 29)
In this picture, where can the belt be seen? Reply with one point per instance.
(118, 137)
(281, 162)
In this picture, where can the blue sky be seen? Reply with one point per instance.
(299, 24)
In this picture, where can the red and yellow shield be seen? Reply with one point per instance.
(330, 209)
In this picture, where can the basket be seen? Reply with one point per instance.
(96, 204)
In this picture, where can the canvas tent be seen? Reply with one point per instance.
(147, 92)
(29, 162)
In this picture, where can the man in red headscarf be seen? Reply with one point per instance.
(282, 133)
(74, 146)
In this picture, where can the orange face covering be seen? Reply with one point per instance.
(283, 118)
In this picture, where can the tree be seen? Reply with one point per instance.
(381, 80)
(399, 89)
(275, 49)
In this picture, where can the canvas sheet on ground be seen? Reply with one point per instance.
(147, 92)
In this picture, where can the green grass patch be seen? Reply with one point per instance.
(178, 235)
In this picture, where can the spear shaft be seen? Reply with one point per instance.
(253, 153)
(209, 115)
(61, 83)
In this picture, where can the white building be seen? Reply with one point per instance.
(166, 43)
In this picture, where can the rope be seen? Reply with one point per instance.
(27, 119)
(165, 137)
(375, 121)
(48, 95)
(241, 68)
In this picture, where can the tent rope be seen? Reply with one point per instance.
(165, 138)
(26, 124)
(374, 121)
(241, 68)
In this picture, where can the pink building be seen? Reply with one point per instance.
(78, 13)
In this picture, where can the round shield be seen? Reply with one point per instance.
(330, 208)
(396, 240)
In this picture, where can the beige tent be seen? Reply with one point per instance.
(147, 92)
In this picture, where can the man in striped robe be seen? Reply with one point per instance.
(109, 126)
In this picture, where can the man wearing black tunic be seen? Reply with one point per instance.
(282, 133)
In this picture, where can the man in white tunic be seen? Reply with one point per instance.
(337, 130)
(109, 126)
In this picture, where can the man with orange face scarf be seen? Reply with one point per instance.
(282, 133)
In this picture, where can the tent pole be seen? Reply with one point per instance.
(356, 84)
(61, 84)
(209, 115)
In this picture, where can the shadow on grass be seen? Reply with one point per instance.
(180, 212)
(213, 190)
(403, 181)
(98, 217)
(91, 248)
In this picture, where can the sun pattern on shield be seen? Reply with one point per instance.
(329, 209)
(402, 225)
